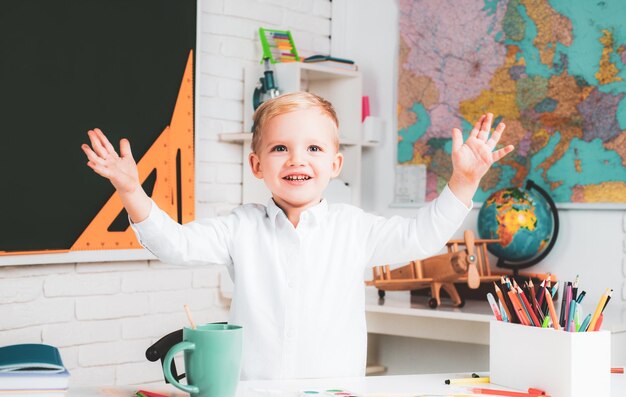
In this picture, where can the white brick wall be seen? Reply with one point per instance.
(103, 316)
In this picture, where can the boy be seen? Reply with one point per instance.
(298, 263)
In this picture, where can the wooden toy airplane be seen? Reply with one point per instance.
(469, 265)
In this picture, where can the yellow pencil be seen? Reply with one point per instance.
(599, 308)
(482, 379)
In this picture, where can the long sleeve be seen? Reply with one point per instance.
(206, 241)
(398, 239)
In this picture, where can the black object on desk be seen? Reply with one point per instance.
(160, 348)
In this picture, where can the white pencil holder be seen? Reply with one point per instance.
(564, 364)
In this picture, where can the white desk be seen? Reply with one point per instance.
(380, 386)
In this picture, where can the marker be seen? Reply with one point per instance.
(546, 320)
(494, 306)
(568, 299)
(599, 322)
(570, 316)
(555, 288)
(481, 379)
(503, 311)
(553, 317)
(617, 370)
(504, 303)
(583, 327)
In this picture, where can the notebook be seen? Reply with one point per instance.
(32, 366)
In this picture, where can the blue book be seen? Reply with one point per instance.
(32, 366)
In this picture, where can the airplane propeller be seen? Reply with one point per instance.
(473, 278)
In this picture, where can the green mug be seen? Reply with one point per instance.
(212, 360)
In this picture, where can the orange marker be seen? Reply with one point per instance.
(555, 319)
(618, 370)
(599, 322)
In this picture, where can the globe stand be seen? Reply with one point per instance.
(516, 266)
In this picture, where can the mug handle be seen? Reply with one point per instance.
(167, 365)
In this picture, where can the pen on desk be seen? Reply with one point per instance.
(494, 306)
(481, 379)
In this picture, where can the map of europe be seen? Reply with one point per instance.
(553, 71)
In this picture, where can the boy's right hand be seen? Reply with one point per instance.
(104, 160)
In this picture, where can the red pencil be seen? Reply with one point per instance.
(151, 394)
(529, 309)
(495, 392)
(518, 308)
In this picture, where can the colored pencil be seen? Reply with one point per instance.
(503, 301)
(599, 309)
(555, 322)
(529, 309)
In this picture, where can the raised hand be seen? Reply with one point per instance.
(104, 160)
(472, 159)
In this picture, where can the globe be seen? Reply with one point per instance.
(526, 222)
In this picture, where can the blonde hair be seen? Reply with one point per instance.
(286, 103)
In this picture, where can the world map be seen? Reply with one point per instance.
(553, 71)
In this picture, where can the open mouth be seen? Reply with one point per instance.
(297, 178)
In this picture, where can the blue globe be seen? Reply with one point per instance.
(523, 219)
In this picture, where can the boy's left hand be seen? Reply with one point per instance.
(472, 159)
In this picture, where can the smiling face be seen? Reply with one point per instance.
(296, 157)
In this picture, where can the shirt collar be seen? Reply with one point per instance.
(316, 213)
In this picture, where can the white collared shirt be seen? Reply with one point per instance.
(299, 292)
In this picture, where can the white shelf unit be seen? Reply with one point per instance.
(341, 87)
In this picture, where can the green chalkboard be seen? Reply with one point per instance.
(67, 66)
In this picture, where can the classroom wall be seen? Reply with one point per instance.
(591, 243)
(103, 316)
